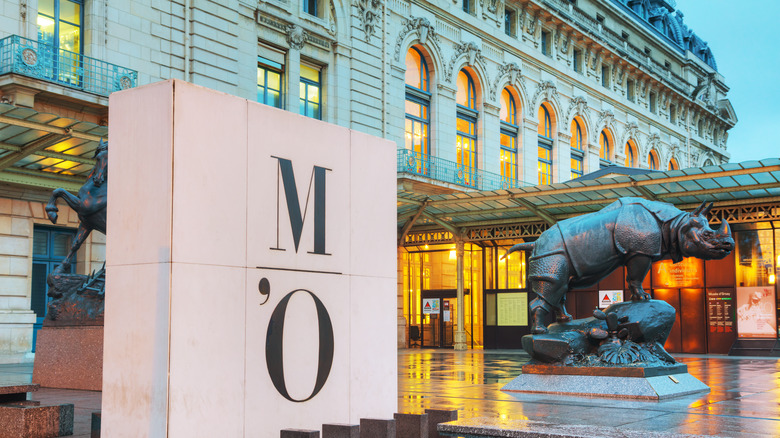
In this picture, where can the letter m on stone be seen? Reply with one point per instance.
(292, 200)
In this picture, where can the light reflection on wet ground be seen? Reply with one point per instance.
(744, 400)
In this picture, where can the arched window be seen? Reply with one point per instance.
(631, 154)
(418, 102)
(466, 130)
(708, 163)
(577, 153)
(509, 131)
(605, 149)
(545, 131)
(673, 164)
(652, 160)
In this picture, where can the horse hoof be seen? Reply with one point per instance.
(53, 217)
(539, 330)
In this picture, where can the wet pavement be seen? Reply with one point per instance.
(744, 400)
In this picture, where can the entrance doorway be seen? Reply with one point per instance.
(439, 315)
(50, 246)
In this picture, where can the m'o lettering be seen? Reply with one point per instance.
(274, 354)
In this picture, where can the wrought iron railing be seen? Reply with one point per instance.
(38, 60)
(439, 169)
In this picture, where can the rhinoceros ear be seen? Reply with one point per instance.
(699, 209)
(707, 209)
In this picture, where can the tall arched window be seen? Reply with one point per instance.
(631, 154)
(545, 131)
(509, 131)
(466, 130)
(605, 149)
(418, 102)
(577, 152)
(673, 164)
(652, 160)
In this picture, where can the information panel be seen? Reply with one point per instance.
(756, 312)
(720, 310)
(513, 309)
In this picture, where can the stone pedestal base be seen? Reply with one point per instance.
(69, 358)
(27, 420)
(648, 388)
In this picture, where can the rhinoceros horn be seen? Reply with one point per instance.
(703, 209)
(724, 230)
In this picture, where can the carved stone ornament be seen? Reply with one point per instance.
(473, 56)
(23, 10)
(514, 74)
(653, 141)
(578, 105)
(368, 13)
(493, 5)
(296, 36)
(632, 132)
(545, 90)
(425, 33)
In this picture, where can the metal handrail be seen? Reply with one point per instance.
(439, 169)
(43, 61)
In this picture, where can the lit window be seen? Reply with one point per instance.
(605, 150)
(652, 160)
(269, 82)
(417, 106)
(59, 27)
(673, 164)
(577, 153)
(630, 154)
(509, 131)
(310, 89)
(545, 146)
(466, 130)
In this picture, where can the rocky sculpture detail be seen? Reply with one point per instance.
(583, 250)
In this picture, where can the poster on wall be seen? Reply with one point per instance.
(430, 306)
(756, 312)
(513, 309)
(687, 273)
(609, 297)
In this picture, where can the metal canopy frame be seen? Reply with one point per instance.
(45, 150)
(741, 192)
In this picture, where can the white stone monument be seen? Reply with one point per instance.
(251, 280)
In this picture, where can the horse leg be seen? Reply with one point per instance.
(51, 207)
(81, 236)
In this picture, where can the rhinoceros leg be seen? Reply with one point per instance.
(549, 280)
(637, 268)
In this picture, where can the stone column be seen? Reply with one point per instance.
(460, 333)
(293, 92)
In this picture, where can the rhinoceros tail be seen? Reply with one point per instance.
(525, 246)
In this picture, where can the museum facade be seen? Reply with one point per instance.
(478, 96)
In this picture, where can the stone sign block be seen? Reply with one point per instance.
(251, 272)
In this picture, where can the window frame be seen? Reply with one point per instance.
(265, 64)
(604, 159)
(545, 43)
(307, 5)
(577, 151)
(63, 68)
(309, 83)
(545, 145)
(509, 22)
(510, 130)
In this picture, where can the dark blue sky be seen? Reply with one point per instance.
(745, 39)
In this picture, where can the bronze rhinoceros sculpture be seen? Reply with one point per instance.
(630, 232)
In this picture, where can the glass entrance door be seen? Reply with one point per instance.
(439, 319)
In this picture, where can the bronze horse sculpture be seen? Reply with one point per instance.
(89, 204)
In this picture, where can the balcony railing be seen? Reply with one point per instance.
(37, 60)
(415, 163)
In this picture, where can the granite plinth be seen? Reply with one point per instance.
(97, 418)
(648, 388)
(605, 371)
(299, 433)
(377, 428)
(14, 391)
(436, 416)
(26, 421)
(69, 358)
(411, 425)
(491, 427)
(340, 431)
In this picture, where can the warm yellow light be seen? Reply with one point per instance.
(426, 246)
(452, 255)
(772, 279)
(45, 21)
